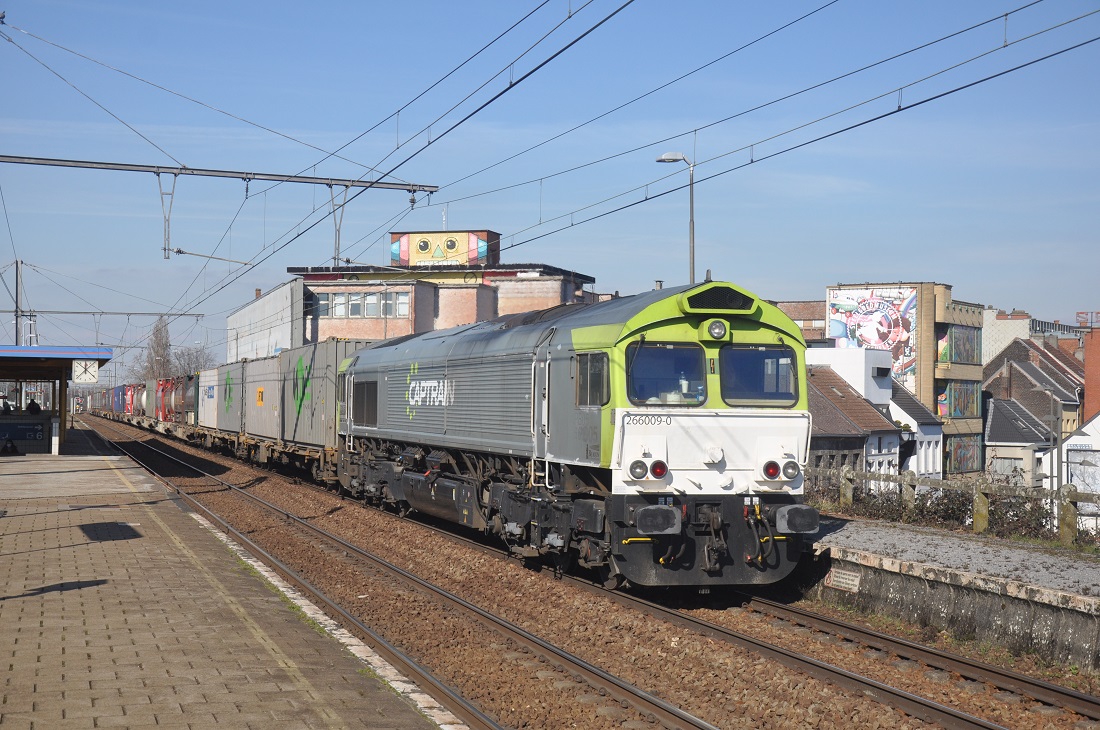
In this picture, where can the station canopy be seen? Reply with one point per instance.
(31, 362)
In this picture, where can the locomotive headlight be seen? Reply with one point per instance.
(717, 329)
(639, 470)
(791, 470)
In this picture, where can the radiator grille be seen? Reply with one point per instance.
(720, 297)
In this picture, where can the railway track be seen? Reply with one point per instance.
(594, 685)
(1048, 694)
(890, 649)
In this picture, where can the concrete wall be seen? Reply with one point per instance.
(529, 293)
(999, 329)
(857, 367)
(264, 325)
(1057, 626)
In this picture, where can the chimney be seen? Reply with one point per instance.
(258, 293)
(1092, 375)
(659, 284)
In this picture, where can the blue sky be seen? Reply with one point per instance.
(993, 189)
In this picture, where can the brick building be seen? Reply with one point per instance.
(439, 279)
(935, 343)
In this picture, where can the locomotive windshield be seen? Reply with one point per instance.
(758, 375)
(665, 374)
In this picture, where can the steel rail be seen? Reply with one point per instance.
(913, 705)
(654, 708)
(1045, 692)
(448, 698)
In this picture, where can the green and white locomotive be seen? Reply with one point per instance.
(659, 438)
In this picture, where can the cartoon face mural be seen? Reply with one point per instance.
(445, 248)
(880, 318)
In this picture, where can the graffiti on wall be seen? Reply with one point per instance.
(878, 318)
(958, 399)
(963, 454)
(955, 343)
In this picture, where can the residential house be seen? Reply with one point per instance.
(847, 429)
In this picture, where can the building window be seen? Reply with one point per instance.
(593, 379)
(1010, 471)
(339, 305)
(958, 344)
(355, 305)
(958, 398)
(386, 304)
(322, 305)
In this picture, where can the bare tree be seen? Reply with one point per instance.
(158, 353)
(190, 360)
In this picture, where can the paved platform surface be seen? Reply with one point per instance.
(1049, 575)
(119, 609)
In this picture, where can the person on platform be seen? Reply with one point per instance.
(6, 408)
(33, 407)
(8, 448)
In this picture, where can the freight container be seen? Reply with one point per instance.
(262, 392)
(309, 390)
(190, 399)
(207, 396)
(230, 396)
(139, 401)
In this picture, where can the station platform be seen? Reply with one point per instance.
(1031, 598)
(119, 608)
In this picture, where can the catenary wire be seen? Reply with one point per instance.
(498, 95)
(849, 128)
(406, 105)
(643, 96)
(900, 109)
(709, 125)
(880, 117)
(87, 96)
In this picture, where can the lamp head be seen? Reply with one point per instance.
(673, 157)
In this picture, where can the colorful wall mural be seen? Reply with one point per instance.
(962, 454)
(454, 248)
(956, 343)
(878, 318)
(958, 399)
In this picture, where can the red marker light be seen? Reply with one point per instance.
(772, 470)
(658, 469)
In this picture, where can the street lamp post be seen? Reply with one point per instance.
(680, 157)
(1055, 444)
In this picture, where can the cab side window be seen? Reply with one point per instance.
(593, 379)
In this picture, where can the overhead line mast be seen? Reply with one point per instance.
(411, 188)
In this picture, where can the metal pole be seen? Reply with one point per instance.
(18, 302)
(1050, 469)
(691, 223)
(1058, 450)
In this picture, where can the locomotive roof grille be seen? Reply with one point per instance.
(543, 315)
(721, 297)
